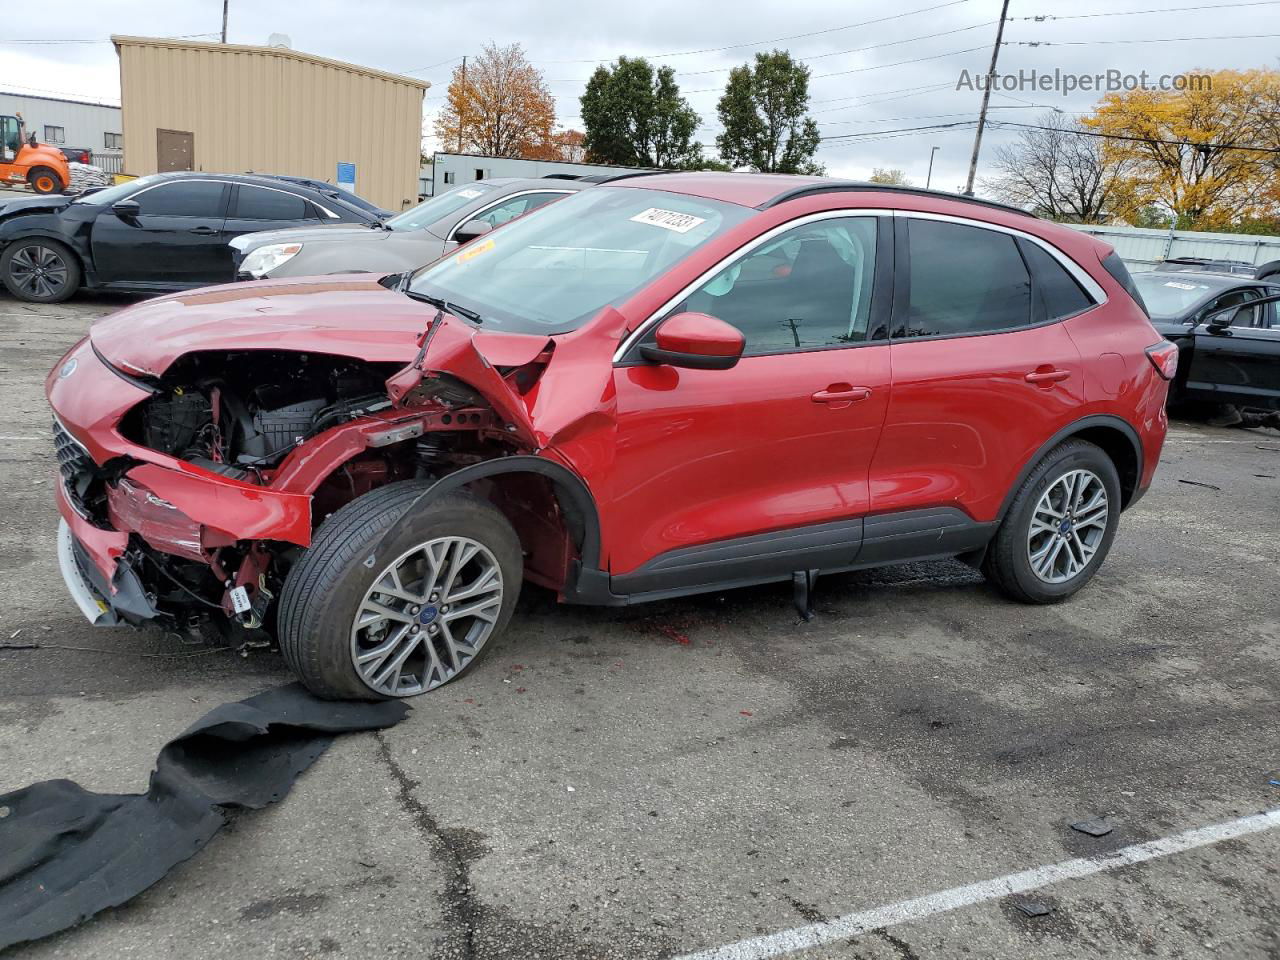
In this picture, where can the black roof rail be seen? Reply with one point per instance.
(562, 176)
(611, 177)
(841, 186)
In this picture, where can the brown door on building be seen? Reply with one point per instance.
(175, 150)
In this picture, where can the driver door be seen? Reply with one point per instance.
(174, 241)
(761, 469)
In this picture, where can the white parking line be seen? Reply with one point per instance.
(852, 924)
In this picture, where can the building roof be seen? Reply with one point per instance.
(80, 103)
(284, 53)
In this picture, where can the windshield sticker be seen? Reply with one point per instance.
(473, 250)
(470, 194)
(1183, 286)
(669, 219)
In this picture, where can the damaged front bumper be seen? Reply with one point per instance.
(104, 603)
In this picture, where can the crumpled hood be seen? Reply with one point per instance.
(46, 203)
(351, 316)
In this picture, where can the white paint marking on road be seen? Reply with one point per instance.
(23, 438)
(853, 924)
(1207, 440)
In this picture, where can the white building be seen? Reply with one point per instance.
(94, 127)
(451, 169)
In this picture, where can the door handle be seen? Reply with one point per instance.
(1047, 376)
(842, 395)
(203, 231)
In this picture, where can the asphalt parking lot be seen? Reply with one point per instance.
(664, 780)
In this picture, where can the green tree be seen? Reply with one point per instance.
(764, 115)
(634, 116)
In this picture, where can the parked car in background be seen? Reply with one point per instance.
(661, 386)
(168, 231)
(77, 154)
(1241, 268)
(408, 241)
(1224, 356)
(329, 190)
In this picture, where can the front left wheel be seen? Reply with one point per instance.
(39, 270)
(365, 619)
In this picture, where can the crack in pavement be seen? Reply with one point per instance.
(462, 911)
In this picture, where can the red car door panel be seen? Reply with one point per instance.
(784, 439)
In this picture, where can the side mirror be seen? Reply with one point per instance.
(696, 341)
(126, 209)
(472, 229)
(1220, 320)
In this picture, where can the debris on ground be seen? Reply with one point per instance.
(66, 853)
(1200, 483)
(1094, 827)
(1032, 908)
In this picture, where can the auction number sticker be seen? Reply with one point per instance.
(469, 193)
(669, 219)
(1180, 286)
(473, 250)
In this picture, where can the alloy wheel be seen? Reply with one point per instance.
(426, 616)
(38, 270)
(1067, 526)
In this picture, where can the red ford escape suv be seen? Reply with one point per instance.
(669, 384)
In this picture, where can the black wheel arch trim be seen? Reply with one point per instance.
(571, 492)
(1107, 420)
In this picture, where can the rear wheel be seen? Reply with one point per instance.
(44, 180)
(1059, 527)
(363, 619)
(39, 270)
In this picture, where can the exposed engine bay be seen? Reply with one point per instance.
(240, 413)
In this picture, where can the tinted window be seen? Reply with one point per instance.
(1120, 274)
(807, 288)
(516, 207)
(1250, 317)
(186, 198)
(1056, 291)
(431, 211)
(255, 203)
(963, 280)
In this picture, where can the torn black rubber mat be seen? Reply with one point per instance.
(66, 853)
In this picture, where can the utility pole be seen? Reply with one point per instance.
(224, 20)
(986, 98)
(929, 176)
(462, 102)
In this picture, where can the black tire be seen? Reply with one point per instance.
(325, 588)
(44, 180)
(1008, 564)
(20, 261)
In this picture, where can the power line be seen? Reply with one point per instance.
(931, 126)
(1040, 18)
(432, 66)
(1119, 136)
(898, 63)
(794, 36)
(1090, 43)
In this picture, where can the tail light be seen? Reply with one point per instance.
(1164, 357)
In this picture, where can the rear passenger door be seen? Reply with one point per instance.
(174, 241)
(256, 208)
(984, 372)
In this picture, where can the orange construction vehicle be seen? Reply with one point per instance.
(24, 160)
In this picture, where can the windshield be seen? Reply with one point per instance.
(428, 212)
(551, 271)
(1168, 296)
(121, 190)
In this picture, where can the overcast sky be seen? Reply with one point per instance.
(867, 90)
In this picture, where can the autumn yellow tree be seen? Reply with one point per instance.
(497, 105)
(1202, 152)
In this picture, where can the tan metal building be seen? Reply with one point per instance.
(228, 108)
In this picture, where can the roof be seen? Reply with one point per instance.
(284, 53)
(79, 103)
(762, 190)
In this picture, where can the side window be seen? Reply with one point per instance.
(1057, 294)
(256, 203)
(808, 288)
(516, 207)
(1250, 317)
(186, 198)
(962, 280)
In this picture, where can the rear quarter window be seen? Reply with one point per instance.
(1120, 274)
